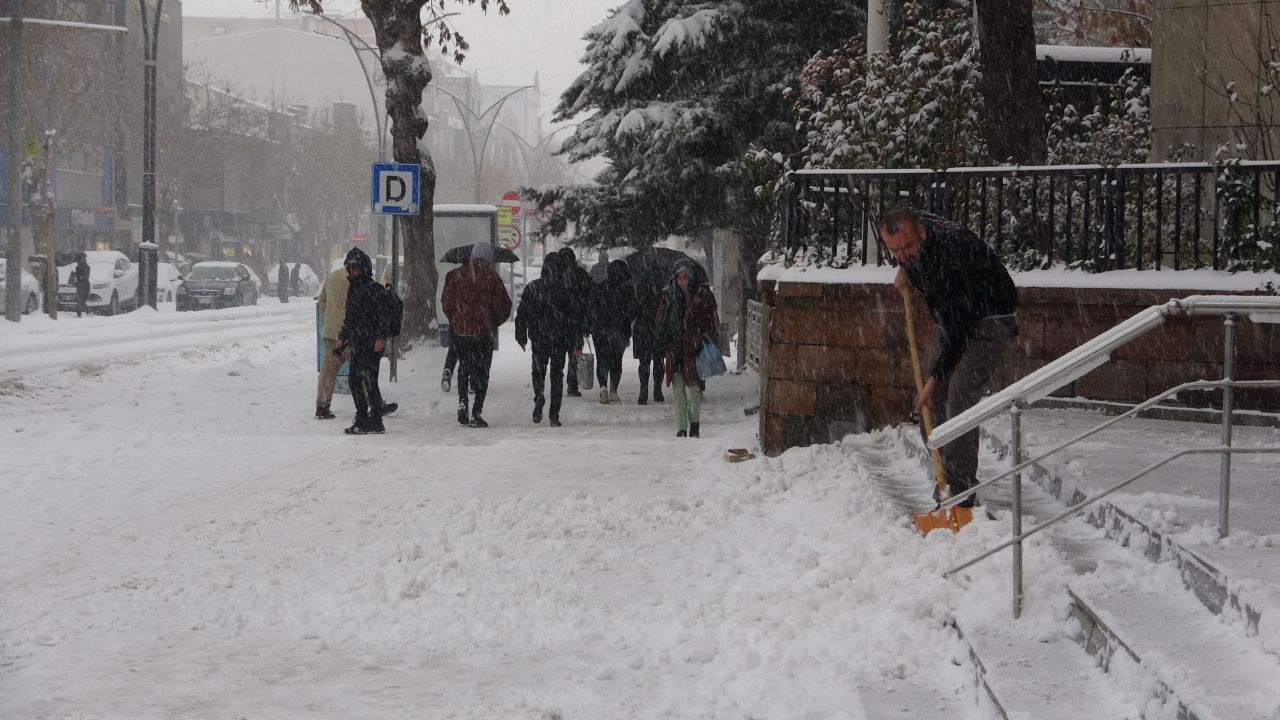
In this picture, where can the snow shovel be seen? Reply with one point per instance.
(952, 518)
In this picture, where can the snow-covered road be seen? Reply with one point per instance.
(182, 540)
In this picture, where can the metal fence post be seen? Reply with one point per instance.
(1228, 398)
(1015, 452)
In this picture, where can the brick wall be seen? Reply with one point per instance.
(835, 357)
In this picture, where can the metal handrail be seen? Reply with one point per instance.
(1080, 361)
(1223, 449)
(1193, 385)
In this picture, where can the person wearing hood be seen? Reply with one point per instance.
(282, 281)
(476, 303)
(549, 316)
(295, 279)
(974, 305)
(80, 278)
(364, 332)
(686, 316)
(613, 309)
(578, 281)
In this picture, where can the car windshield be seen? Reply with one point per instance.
(212, 273)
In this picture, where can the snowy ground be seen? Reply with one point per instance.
(182, 540)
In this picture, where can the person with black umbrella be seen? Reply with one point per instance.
(613, 309)
(476, 304)
(549, 315)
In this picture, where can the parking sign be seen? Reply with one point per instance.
(395, 188)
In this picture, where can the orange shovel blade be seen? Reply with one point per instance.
(951, 519)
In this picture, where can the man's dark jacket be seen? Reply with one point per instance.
(549, 314)
(963, 282)
(365, 321)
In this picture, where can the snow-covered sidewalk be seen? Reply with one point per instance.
(184, 541)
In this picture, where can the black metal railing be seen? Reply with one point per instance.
(1151, 216)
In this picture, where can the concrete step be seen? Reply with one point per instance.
(1175, 652)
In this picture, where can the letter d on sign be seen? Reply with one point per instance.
(400, 188)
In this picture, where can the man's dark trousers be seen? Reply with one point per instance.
(963, 389)
(364, 385)
(555, 361)
(475, 358)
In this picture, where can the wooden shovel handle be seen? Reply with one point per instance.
(926, 413)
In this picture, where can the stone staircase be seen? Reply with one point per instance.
(1207, 650)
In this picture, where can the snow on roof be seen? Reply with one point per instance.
(218, 263)
(458, 209)
(506, 77)
(1071, 53)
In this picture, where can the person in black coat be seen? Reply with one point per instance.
(579, 282)
(974, 305)
(364, 331)
(295, 279)
(282, 281)
(80, 278)
(647, 346)
(549, 316)
(613, 309)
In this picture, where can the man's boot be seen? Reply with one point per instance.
(389, 408)
(604, 396)
(537, 410)
(463, 416)
(555, 421)
(323, 413)
(693, 429)
(657, 391)
(644, 395)
(477, 422)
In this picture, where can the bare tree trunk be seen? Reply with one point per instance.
(398, 26)
(1014, 126)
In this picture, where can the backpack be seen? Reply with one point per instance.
(392, 312)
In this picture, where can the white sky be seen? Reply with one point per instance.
(545, 35)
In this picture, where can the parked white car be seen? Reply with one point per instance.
(113, 282)
(308, 281)
(30, 290)
(167, 279)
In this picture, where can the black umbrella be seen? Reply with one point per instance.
(462, 255)
(657, 265)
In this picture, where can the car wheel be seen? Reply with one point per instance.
(33, 304)
(114, 307)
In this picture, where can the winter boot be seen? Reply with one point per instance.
(693, 429)
(555, 421)
(657, 393)
(446, 380)
(537, 411)
(644, 395)
(463, 416)
(323, 413)
(604, 396)
(368, 427)
(390, 408)
(477, 422)
(681, 433)
(613, 396)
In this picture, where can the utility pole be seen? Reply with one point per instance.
(150, 45)
(13, 266)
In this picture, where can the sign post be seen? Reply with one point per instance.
(395, 190)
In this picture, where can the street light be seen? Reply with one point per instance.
(542, 146)
(495, 108)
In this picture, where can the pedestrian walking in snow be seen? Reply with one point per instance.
(80, 279)
(295, 279)
(613, 310)
(365, 332)
(282, 282)
(646, 345)
(579, 283)
(332, 303)
(451, 354)
(476, 303)
(549, 317)
(974, 306)
(686, 318)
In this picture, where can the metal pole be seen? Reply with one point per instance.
(395, 280)
(1228, 401)
(1015, 451)
(13, 266)
(151, 46)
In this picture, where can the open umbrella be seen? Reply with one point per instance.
(656, 265)
(462, 255)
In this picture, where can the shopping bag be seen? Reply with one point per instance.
(710, 362)
(586, 370)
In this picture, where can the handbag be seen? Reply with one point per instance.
(586, 369)
(710, 361)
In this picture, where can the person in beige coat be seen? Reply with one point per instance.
(332, 302)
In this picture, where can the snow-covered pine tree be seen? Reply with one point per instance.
(402, 42)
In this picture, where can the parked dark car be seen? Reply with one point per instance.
(216, 285)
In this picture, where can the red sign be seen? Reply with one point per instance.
(359, 238)
(512, 200)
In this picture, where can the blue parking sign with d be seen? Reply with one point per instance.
(395, 188)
